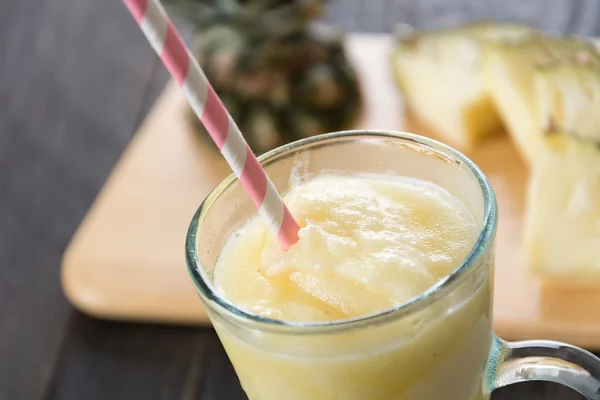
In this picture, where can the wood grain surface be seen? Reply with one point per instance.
(76, 80)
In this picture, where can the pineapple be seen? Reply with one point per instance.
(466, 82)
(442, 78)
(281, 77)
(510, 71)
(562, 225)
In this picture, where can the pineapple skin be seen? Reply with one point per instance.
(440, 74)
(281, 77)
(562, 224)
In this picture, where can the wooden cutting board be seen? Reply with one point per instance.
(126, 260)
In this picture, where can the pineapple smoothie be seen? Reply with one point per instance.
(368, 243)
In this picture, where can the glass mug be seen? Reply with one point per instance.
(439, 345)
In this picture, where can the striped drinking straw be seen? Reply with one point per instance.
(183, 67)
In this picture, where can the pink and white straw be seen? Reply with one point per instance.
(184, 68)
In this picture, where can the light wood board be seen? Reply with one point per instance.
(127, 262)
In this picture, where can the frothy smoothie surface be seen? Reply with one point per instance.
(367, 243)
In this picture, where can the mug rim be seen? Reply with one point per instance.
(216, 302)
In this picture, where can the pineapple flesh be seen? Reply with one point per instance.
(512, 71)
(441, 76)
(562, 224)
(568, 98)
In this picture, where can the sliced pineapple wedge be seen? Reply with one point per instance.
(512, 71)
(441, 76)
(562, 224)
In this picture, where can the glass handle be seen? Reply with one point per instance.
(542, 360)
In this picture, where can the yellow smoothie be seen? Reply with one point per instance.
(367, 244)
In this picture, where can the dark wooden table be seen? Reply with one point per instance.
(76, 79)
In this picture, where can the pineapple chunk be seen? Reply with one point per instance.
(568, 98)
(511, 71)
(562, 225)
(441, 76)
